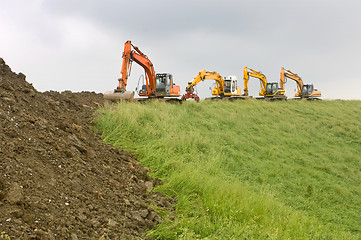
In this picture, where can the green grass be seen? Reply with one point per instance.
(249, 169)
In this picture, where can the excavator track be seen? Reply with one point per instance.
(233, 98)
(167, 100)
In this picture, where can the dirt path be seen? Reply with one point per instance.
(58, 180)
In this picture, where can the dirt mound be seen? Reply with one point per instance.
(58, 180)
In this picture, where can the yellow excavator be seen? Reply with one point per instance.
(306, 91)
(270, 91)
(226, 88)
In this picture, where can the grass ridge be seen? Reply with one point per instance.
(248, 169)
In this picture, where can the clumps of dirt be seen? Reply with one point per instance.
(58, 180)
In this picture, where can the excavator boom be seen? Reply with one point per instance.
(249, 72)
(288, 74)
(126, 65)
(201, 76)
(137, 56)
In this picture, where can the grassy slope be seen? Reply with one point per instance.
(249, 169)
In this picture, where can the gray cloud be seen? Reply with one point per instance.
(317, 39)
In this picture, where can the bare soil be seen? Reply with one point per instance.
(58, 179)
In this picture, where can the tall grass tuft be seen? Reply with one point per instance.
(249, 169)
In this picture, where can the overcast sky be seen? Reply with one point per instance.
(77, 45)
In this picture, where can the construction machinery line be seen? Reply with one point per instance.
(161, 86)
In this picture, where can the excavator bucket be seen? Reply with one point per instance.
(119, 96)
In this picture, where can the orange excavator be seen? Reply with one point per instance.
(157, 85)
(306, 91)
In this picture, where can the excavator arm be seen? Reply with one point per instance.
(249, 72)
(130, 55)
(126, 66)
(201, 76)
(288, 74)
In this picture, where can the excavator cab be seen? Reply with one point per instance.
(307, 89)
(273, 91)
(230, 84)
(309, 92)
(164, 86)
(271, 88)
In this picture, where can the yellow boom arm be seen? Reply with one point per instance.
(202, 75)
(249, 72)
